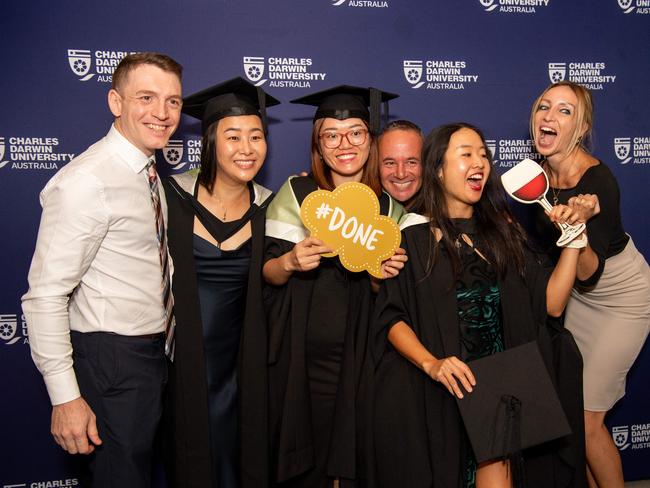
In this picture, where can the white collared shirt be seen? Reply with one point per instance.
(96, 266)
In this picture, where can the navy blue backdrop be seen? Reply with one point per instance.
(481, 61)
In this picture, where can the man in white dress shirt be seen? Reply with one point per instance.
(94, 308)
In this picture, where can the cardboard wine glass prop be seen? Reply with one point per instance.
(527, 183)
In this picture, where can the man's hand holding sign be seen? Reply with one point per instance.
(346, 222)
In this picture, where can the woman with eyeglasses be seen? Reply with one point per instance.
(318, 312)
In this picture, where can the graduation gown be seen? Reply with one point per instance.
(288, 311)
(419, 434)
(185, 420)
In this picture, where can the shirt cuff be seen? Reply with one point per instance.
(62, 387)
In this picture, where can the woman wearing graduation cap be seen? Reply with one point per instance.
(472, 288)
(318, 312)
(216, 233)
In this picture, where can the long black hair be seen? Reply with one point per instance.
(208, 171)
(499, 236)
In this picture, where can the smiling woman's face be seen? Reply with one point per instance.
(346, 161)
(464, 172)
(555, 122)
(241, 148)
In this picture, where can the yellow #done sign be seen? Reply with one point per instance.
(348, 220)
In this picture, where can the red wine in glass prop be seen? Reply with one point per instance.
(527, 183)
(533, 190)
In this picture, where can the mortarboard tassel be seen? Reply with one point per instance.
(261, 98)
(375, 115)
(512, 440)
(385, 104)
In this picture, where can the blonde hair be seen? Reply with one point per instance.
(584, 114)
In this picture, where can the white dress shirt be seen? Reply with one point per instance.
(96, 266)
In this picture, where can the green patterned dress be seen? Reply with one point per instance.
(479, 313)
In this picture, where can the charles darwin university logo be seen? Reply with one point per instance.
(29, 153)
(254, 68)
(632, 149)
(413, 73)
(438, 74)
(513, 6)
(622, 149)
(80, 61)
(492, 147)
(634, 436)
(591, 74)
(86, 64)
(556, 72)
(11, 330)
(173, 153)
(621, 434)
(179, 153)
(637, 6)
(626, 5)
(489, 5)
(2, 153)
(507, 153)
(282, 71)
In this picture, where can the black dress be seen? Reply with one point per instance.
(222, 278)
(218, 340)
(420, 439)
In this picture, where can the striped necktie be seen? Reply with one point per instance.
(168, 298)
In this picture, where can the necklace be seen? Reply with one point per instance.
(556, 192)
(556, 195)
(225, 210)
(234, 203)
(462, 237)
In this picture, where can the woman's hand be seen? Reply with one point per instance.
(579, 209)
(305, 255)
(449, 371)
(585, 206)
(393, 265)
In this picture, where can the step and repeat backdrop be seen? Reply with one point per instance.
(480, 61)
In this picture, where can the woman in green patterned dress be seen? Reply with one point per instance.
(471, 288)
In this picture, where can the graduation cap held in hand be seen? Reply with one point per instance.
(514, 404)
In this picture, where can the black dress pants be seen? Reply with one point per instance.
(122, 379)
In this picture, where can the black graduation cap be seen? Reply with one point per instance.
(514, 404)
(233, 97)
(346, 101)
